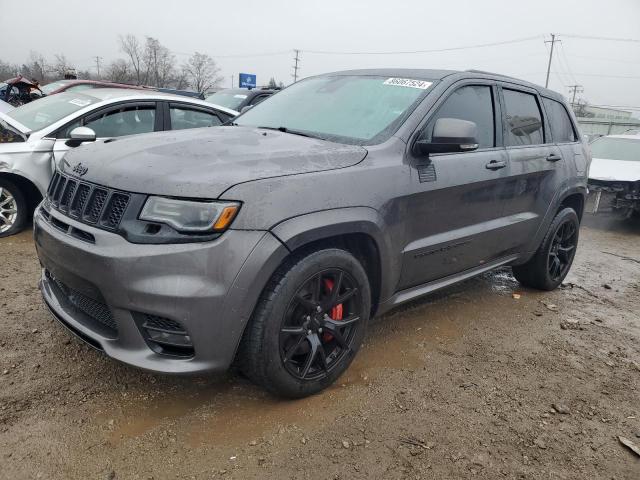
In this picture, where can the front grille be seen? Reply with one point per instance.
(87, 202)
(95, 310)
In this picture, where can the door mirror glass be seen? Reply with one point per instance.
(449, 135)
(80, 135)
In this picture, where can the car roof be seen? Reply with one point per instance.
(105, 94)
(635, 137)
(437, 74)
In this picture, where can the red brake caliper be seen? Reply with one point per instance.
(336, 312)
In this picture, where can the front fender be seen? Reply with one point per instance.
(304, 229)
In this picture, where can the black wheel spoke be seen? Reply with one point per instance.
(317, 288)
(293, 349)
(314, 341)
(307, 304)
(293, 330)
(335, 290)
(332, 324)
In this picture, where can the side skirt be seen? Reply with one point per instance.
(418, 291)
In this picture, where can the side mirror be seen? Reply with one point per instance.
(79, 135)
(449, 135)
(244, 109)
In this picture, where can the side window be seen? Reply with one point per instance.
(256, 100)
(66, 131)
(473, 103)
(524, 121)
(127, 120)
(561, 126)
(79, 88)
(183, 117)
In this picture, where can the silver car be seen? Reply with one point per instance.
(35, 136)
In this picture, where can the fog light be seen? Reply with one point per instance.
(164, 336)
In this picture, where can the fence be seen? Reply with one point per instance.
(596, 127)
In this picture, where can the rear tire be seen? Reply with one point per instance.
(14, 208)
(299, 340)
(551, 263)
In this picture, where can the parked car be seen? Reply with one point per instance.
(239, 98)
(615, 172)
(19, 90)
(5, 107)
(272, 242)
(35, 136)
(73, 85)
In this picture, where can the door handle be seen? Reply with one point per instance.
(496, 164)
(553, 158)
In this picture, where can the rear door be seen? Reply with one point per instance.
(535, 165)
(182, 116)
(453, 210)
(565, 135)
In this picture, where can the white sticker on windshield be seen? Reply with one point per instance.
(407, 82)
(80, 102)
(239, 96)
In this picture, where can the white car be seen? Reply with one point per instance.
(615, 170)
(5, 107)
(35, 136)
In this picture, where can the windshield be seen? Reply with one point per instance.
(46, 111)
(616, 149)
(359, 110)
(228, 98)
(50, 87)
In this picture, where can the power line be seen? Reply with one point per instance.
(591, 37)
(449, 49)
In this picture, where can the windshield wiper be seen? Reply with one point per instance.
(293, 132)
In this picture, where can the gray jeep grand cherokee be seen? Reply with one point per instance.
(271, 242)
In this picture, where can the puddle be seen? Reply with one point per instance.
(234, 412)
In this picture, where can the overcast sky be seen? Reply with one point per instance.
(80, 30)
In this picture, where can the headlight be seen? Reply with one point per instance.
(189, 215)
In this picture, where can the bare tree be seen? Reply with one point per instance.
(8, 70)
(130, 45)
(36, 68)
(119, 71)
(159, 63)
(202, 72)
(61, 66)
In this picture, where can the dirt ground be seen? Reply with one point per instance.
(470, 382)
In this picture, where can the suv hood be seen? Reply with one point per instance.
(614, 170)
(203, 163)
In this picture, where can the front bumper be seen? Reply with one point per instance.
(209, 288)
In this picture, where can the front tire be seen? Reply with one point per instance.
(308, 325)
(14, 209)
(551, 263)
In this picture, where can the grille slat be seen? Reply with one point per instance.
(96, 204)
(86, 202)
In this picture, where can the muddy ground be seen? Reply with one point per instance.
(470, 382)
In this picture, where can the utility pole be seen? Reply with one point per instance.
(575, 89)
(296, 67)
(553, 41)
(98, 58)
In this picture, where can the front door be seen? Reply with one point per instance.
(454, 215)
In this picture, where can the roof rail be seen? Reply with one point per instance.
(492, 73)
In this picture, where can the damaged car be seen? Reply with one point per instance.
(19, 90)
(615, 174)
(36, 136)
